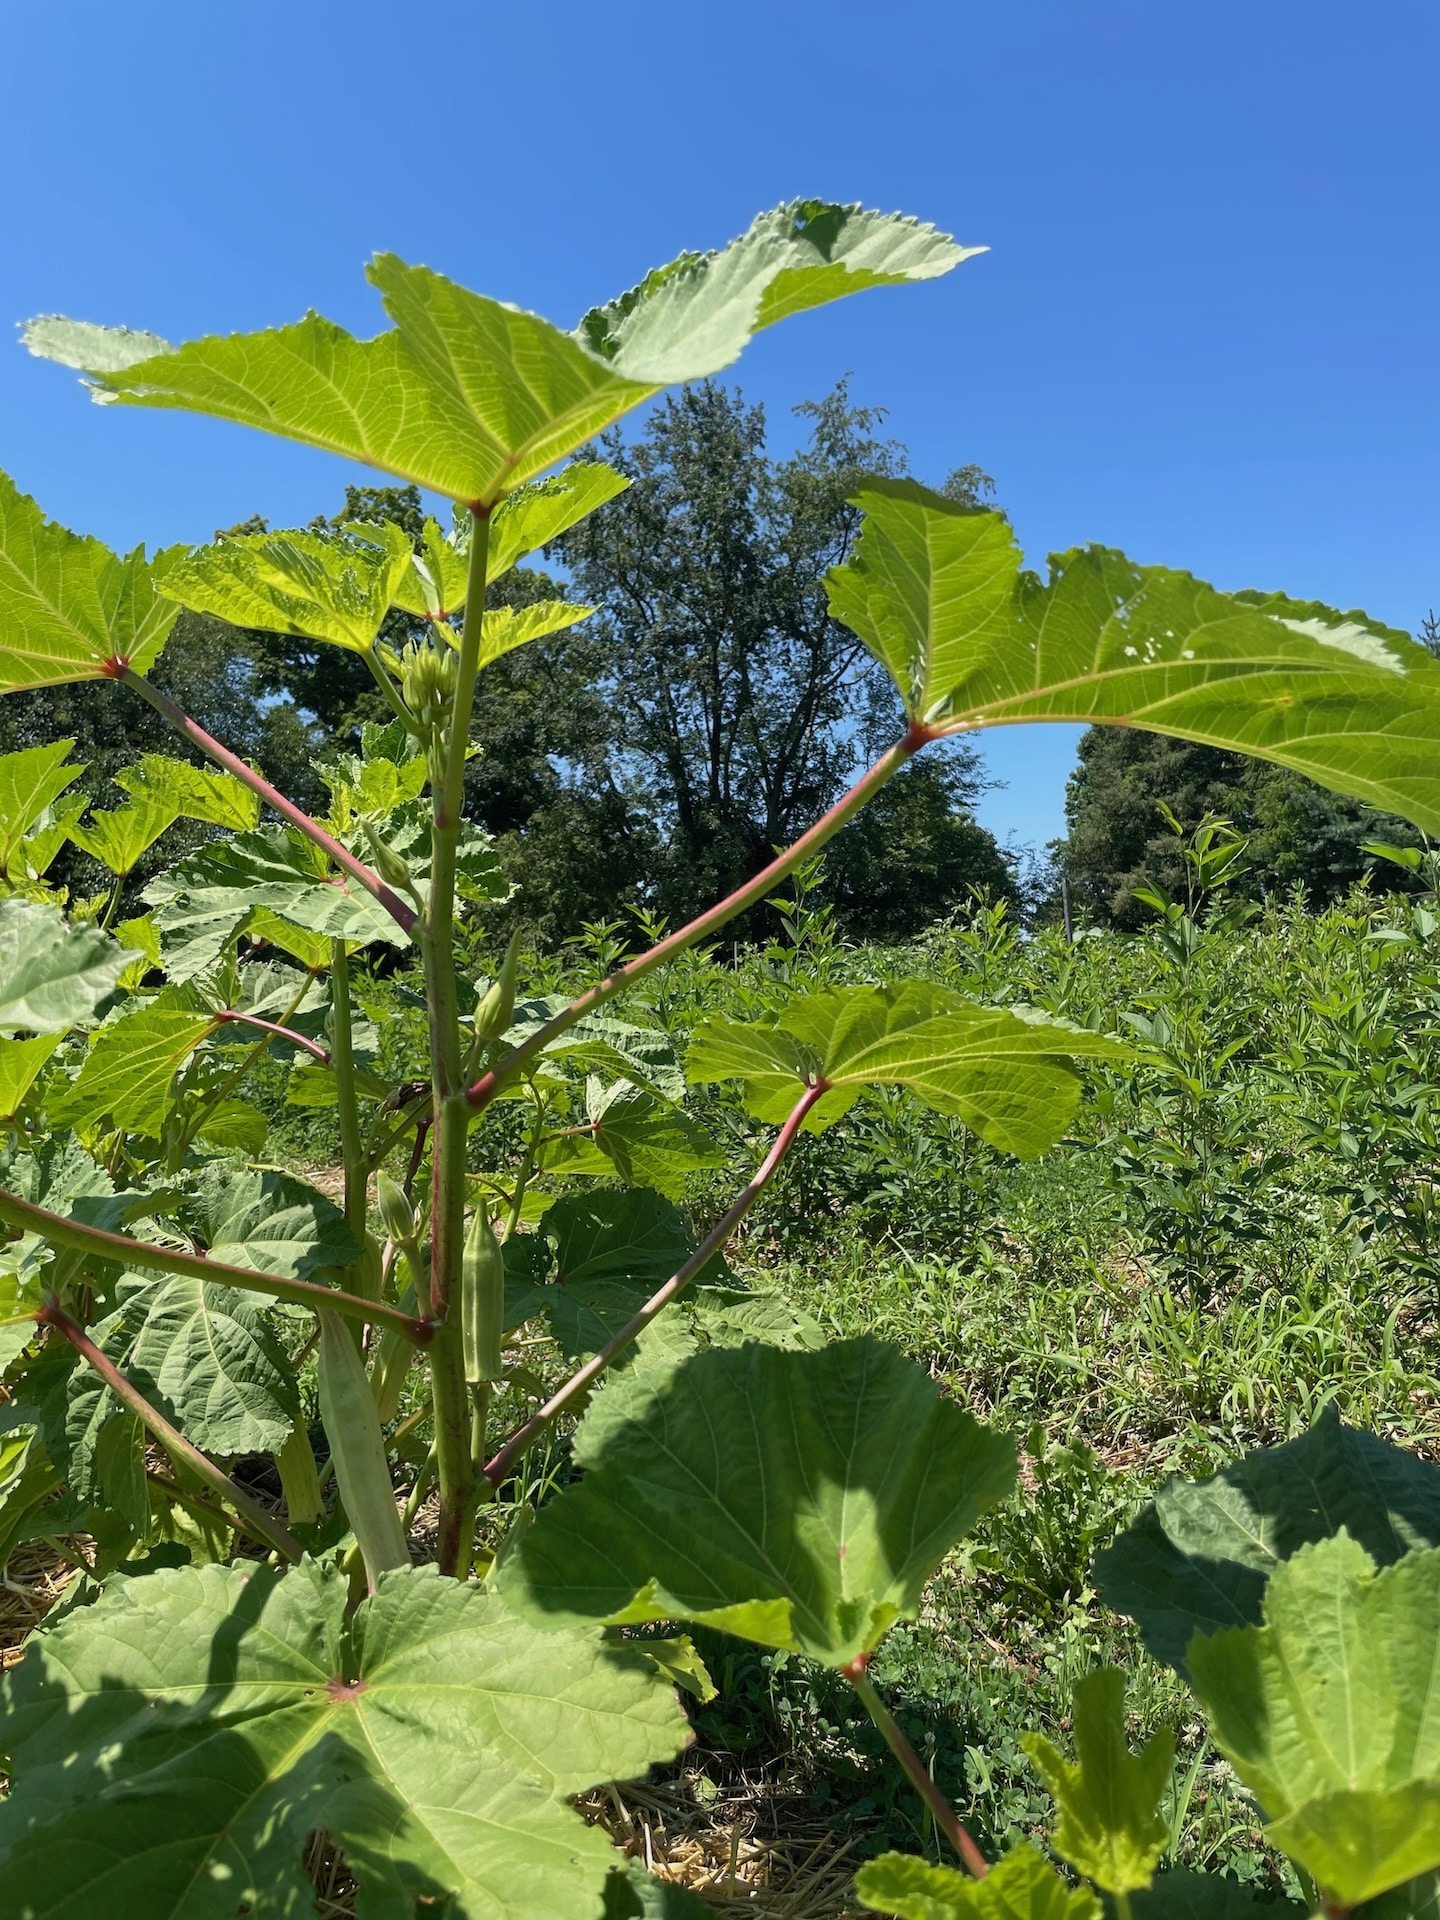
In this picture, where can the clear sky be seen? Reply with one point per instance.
(1205, 333)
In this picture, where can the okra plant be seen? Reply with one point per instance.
(233, 1686)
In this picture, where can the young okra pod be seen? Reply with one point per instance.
(357, 1446)
(482, 1301)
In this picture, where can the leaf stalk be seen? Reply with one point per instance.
(916, 1772)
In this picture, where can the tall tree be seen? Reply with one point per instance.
(740, 708)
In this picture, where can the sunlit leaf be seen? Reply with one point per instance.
(1326, 1712)
(128, 1075)
(53, 976)
(21, 1062)
(1110, 1827)
(1198, 1558)
(69, 608)
(936, 592)
(318, 586)
(842, 1480)
(506, 628)
(50, 832)
(636, 1135)
(30, 781)
(1022, 1886)
(174, 1746)
(470, 397)
(1007, 1072)
(119, 838)
(197, 793)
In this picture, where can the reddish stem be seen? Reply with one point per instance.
(253, 1516)
(281, 1033)
(104, 1245)
(232, 763)
(484, 1090)
(521, 1442)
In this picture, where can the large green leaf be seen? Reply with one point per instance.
(205, 1355)
(1328, 1713)
(69, 608)
(30, 781)
(797, 1499)
(471, 397)
(1007, 1072)
(318, 586)
(53, 976)
(1198, 1558)
(204, 901)
(1110, 1827)
(636, 1135)
(936, 592)
(129, 1073)
(1182, 1895)
(1022, 1886)
(262, 1218)
(174, 1746)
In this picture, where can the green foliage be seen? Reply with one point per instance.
(1006, 1074)
(844, 1481)
(316, 586)
(421, 1733)
(1109, 1827)
(53, 976)
(1022, 1886)
(1323, 1712)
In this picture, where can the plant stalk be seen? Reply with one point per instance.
(233, 1015)
(103, 1245)
(347, 1108)
(520, 1443)
(403, 915)
(454, 1466)
(253, 1516)
(865, 788)
(916, 1772)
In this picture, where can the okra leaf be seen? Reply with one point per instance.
(70, 609)
(936, 592)
(635, 1134)
(1324, 1712)
(30, 781)
(633, 1894)
(1007, 1072)
(262, 1218)
(1110, 1827)
(203, 902)
(317, 586)
(1022, 1886)
(470, 397)
(53, 976)
(505, 628)
(117, 839)
(21, 1062)
(1199, 1556)
(174, 1746)
(1183, 1895)
(129, 1073)
(205, 1355)
(197, 793)
(800, 1500)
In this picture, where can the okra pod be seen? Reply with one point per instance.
(357, 1446)
(482, 1301)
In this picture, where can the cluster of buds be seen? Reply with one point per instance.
(429, 685)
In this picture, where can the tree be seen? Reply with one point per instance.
(1299, 833)
(739, 707)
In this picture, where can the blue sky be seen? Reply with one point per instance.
(1206, 331)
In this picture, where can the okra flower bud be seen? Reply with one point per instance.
(495, 1008)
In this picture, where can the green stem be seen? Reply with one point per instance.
(253, 1516)
(520, 1443)
(527, 1167)
(419, 1490)
(403, 915)
(916, 1771)
(234, 1016)
(103, 1245)
(227, 1086)
(391, 692)
(865, 788)
(452, 1114)
(347, 1107)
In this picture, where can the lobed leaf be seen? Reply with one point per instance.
(30, 782)
(118, 839)
(318, 586)
(69, 608)
(840, 1482)
(636, 1135)
(470, 397)
(1022, 1886)
(260, 1217)
(128, 1075)
(197, 793)
(1199, 1556)
(53, 976)
(1327, 1713)
(1007, 1072)
(174, 1746)
(1110, 1828)
(937, 593)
